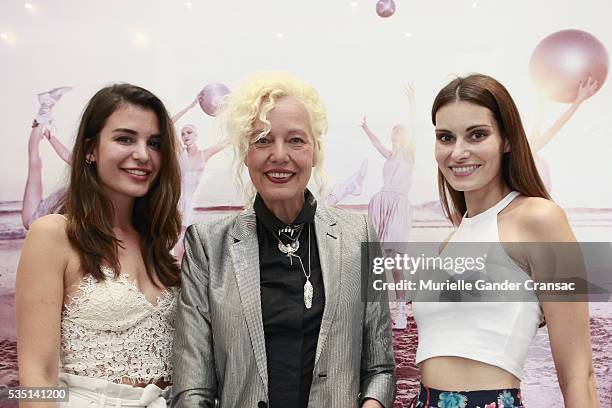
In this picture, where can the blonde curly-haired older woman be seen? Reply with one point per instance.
(271, 312)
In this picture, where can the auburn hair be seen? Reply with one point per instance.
(518, 168)
(90, 212)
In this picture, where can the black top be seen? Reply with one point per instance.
(291, 331)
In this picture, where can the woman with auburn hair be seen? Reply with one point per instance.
(98, 281)
(270, 312)
(487, 175)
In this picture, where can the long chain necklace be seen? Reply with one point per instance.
(290, 250)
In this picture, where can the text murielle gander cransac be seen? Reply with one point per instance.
(454, 266)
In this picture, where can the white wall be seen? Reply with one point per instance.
(358, 61)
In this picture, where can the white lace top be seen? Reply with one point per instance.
(109, 330)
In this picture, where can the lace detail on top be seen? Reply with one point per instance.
(109, 330)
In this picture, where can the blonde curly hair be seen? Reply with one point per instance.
(252, 99)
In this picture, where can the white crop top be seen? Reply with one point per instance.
(109, 330)
(496, 333)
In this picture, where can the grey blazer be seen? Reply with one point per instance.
(219, 347)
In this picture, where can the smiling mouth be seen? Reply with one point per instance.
(135, 172)
(462, 171)
(279, 175)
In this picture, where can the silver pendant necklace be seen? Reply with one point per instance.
(293, 245)
(290, 250)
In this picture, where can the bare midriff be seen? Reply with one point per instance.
(161, 383)
(462, 374)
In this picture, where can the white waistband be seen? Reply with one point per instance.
(105, 393)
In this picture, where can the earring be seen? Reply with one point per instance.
(88, 161)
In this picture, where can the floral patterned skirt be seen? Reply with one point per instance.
(432, 398)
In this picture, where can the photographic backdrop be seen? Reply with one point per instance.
(361, 63)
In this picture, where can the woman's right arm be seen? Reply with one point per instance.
(39, 291)
(412, 117)
(585, 91)
(180, 114)
(194, 382)
(375, 141)
(61, 150)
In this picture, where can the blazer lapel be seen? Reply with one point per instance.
(245, 258)
(329, 240)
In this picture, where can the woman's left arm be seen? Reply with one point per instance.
(412, 117)
(211, 151)
(567, 322)
(377, 358)
(570, 342)
(182, 112)
(61, 150)
(585, 91)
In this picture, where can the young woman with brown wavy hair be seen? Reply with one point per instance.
(471, 354)
(97, 283)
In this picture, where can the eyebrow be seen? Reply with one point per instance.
(478, 126)
(256, 132)
(126, 130)
(133, 132)
(299, 131)
(467, 130)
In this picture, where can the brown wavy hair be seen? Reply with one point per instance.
(518, 168)
(90, 213)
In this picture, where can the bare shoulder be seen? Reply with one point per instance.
(536, 211)
(47, 237)
(46, 248)
(539, 219)
(51, 227)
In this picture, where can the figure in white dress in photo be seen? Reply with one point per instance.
(538, 140)
(193, 162)
(42, 127)
(390, 210)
